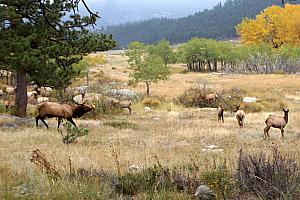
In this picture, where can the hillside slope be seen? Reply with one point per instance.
(218, 23)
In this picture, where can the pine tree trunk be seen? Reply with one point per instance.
(21, 94)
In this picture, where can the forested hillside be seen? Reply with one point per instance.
(218, 23)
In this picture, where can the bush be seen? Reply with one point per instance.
(151, 101)
(220, 181)
(195, 97)
(132, 183)
(268, 178)
(156, 178)
(73, 133)
(102, 107)
(252, 107)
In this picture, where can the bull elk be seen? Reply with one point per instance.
(61, 111)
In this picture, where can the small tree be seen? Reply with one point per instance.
(163, 50)
(148, 68)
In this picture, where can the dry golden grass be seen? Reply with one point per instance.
(173, 136)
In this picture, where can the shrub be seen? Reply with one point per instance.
(95, 59)
(195, 97)
(252, 107)
(151, 101)
(148, 179)
(73, 133)
(156, 178)
(102, 107)
(268, 178)
(220, 181)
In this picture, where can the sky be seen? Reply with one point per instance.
(119, 11)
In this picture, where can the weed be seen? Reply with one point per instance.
(268, 178)
(220, 181)
(40, 160)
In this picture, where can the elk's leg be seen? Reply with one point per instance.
(58, 122)
(43, 120)
(222, 118)
(72, 122)
(129, 110)
(37, 120)
(282, 133)
(266, 131)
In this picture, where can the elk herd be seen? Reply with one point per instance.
(272, 121)
(63, 110)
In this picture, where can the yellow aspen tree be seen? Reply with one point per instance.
(274, 25)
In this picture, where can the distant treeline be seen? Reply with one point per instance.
(217, 23)
(207, 55)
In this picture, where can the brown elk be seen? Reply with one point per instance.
(276, 122)
(122, 104)
(211, 97)
(61, 111)
(240, 116)
(221, 113)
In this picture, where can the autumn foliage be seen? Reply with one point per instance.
(275, 26)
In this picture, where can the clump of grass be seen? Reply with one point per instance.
(2, 108)
(121, 124)
(100, 78)
(220, 181)
(40, 160)
(95, 60)
(151, 102)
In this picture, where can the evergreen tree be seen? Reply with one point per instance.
(40, 40)
(218, 23)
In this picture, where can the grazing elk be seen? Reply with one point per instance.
(240, 116)
(221, 113)
(61, 111)
(276, 122)
(8, 104)
(121, 104)
(211, 97)
(10, 90)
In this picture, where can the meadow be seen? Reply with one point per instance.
(171, 137)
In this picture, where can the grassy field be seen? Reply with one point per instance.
(172, 138)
